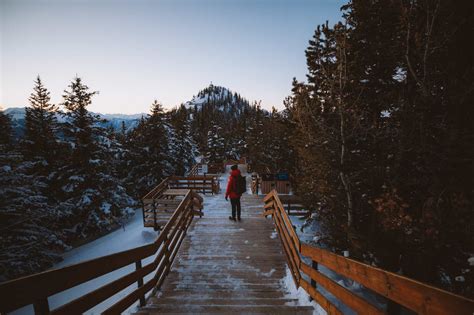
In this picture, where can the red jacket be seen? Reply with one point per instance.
(232, 185)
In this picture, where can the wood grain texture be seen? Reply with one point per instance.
(223, 266)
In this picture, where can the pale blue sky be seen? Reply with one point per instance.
(136, 51)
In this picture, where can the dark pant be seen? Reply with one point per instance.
(235, 202)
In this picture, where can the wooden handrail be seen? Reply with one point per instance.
(414, 295)
(194, 170)
(156, 191)
(36, 289)
(203, 183)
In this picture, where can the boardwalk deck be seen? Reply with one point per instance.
(227, 267)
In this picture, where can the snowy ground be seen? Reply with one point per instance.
(133, 234)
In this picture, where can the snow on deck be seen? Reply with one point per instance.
(229, 267)
(242, 261)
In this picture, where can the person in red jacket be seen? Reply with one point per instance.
(231, 192)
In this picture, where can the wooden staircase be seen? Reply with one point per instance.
(227, 267)
(215, 265)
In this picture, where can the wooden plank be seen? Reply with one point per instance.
(287, 220)
(197, 196)
(414, 295)
(190, 178)
(152, 194)
(93, 298)
(167, 201)
(269, 204)
(269, 196)
(349, 298)
(294, 267)
(293, 252)
(291, 244)
(268, 212)
(320, 299)
(197, 204)
(130, 298)
(175, 192)
(23, 291)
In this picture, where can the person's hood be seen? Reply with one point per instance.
(235, 173)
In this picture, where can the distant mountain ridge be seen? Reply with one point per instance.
(212, 98)
(17, 114)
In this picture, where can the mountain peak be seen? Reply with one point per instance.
(219, 96)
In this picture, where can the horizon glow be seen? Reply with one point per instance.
(134, 52)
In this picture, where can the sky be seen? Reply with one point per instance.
(136, 51)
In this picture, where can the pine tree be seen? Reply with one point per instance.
(184, 146)
(80, 122)
(374, 143)
(91, 194)
(5, 131)
(29, 223)
(215, 144)
(148, 151)
(40, 125)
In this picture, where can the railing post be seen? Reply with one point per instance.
(314, 265)
(41, 307)
(155, 226)
(138, 266)
(143, 211)
(167, 255)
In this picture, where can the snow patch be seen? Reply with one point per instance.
(400, 74)
(268, 274)
(459, 279)
(300, 294)
(470, 260)
(85, 200)
(105, 207)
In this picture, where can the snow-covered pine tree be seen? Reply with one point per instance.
(215, 144)
(256, 137)
(5, 131)
(40, 125)
(148, 152)
(184, 147)
(28, 221)
(90, 192)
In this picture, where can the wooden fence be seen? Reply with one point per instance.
(416, 296)
(198, 183)
(37, 288)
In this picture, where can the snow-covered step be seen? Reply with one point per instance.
(226, 309)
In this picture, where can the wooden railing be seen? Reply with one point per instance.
(215, 168)
(37, 288)
(416, 296)
(194, 170)
(293, 205)
(198, 183)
